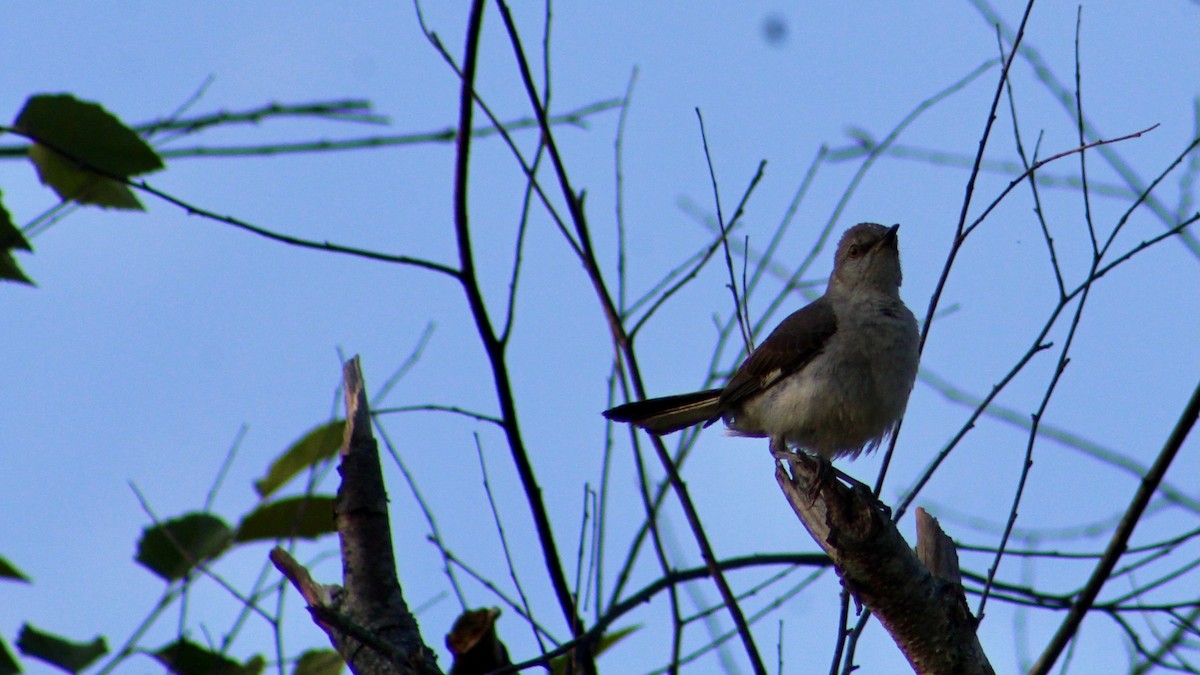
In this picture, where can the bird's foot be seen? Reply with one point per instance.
(780, 450)
(825, 472)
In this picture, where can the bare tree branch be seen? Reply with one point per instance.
(367, 619)
(588, 258)
(1120, 538)
(495, 348)
(926, 615)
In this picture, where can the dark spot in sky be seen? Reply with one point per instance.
(774, 29)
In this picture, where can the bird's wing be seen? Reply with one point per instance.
(797, 339)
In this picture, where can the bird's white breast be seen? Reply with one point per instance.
(851, 394)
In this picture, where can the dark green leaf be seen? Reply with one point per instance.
(8, 571)
(11, 239)
(70, 656)
(8, 665)
(10, 271)
(188, 658)
(613, 637)
(317, 445)
(71, 182)
(10, 235)
(173, 548)
(80, 149)
(87, 134)
(307, 517)
(558, 666)
(319, 662)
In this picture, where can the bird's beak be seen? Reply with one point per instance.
(889, 239)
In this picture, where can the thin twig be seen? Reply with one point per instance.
(431, 407)
(225, 466)
(435, 534)
(492, 345)
(512, 570)
(652, 589)
(526, 168)
(588, 258)
(1083, 175)
(1062, 94)
(1033, 177)
(960, 229)
(495, 590)
(1063, 358)
(411, 360)
(739, 309)
(933, 302)
(1120, 538)
(193, 210)
(1127, 464)
(697, 262)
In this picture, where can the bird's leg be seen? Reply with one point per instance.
(781, 452)
(825, 472)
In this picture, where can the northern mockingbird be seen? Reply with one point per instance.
(833, 378)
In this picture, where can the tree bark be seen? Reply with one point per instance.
(366, 619)
(926, 614)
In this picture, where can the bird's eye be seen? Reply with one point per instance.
(854, 251)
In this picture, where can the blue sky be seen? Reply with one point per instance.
(154, 337)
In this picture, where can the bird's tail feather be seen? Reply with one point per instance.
(670, 413)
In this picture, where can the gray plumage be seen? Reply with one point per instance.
(833, 378)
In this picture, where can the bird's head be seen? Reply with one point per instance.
(868, 258)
